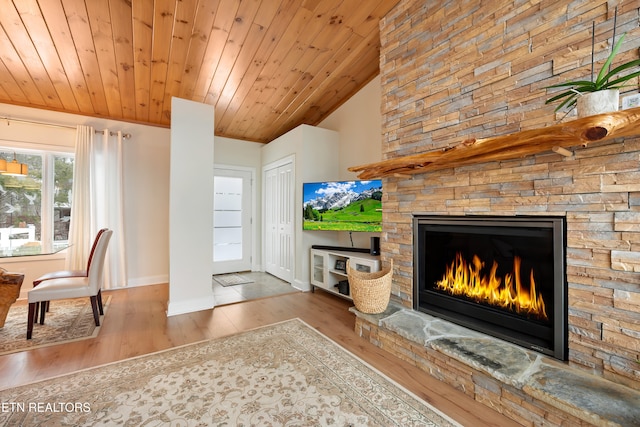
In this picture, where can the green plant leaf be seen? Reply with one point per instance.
(604, 80)
(581, 83)
(612, 84)
(568, 103)
(603, 71)
(560, 96)
(615, 84)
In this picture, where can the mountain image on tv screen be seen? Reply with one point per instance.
(342, 205)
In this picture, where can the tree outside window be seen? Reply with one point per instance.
(63, 182)
(36, 206)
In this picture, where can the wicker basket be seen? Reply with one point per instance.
(370, 291)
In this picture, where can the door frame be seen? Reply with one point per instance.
(253, 231)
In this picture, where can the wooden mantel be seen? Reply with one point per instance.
(558, 138)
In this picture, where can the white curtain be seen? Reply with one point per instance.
(98, 202)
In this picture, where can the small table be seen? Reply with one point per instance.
(10, 284)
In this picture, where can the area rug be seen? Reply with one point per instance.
(282, 374)
(231, 279)
(67, 320)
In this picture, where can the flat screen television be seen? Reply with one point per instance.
(342, 205)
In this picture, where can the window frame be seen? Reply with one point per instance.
(48, 154)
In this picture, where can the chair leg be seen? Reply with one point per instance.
(32, 315)
(100, 302)
(43, 311)
(94, 306)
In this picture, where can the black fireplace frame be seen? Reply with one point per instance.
(557, 345)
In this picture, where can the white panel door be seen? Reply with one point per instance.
(279, 221)
(285, 222)
(232, 220)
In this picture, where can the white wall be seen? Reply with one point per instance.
(146, 180)
(315, 153)
(191, 207)
(146, 174)
(146, 183)
(233, 152)
(359, 124)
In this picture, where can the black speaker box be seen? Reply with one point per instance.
(375, 246)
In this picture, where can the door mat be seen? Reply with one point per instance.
(231, 279)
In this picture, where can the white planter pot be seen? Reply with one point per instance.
(603, 101)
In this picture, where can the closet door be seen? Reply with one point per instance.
(279, 221)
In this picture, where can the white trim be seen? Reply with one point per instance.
(189, 306)
(11, 144)
(280, 162)
(300, 285)
(148, 280)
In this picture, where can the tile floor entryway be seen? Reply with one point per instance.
(263, 285)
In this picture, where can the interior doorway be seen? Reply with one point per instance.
(232, 219)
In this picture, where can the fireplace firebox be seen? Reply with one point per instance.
(503, 276)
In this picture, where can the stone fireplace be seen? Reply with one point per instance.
(451, 71)
(504, 276)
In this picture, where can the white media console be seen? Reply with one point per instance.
(328, 268)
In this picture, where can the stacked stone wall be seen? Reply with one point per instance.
(454, 70)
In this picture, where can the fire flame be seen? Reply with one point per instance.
(465, 279)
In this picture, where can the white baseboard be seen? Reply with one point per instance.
(149, 280)
(301, 285)
(190, 306)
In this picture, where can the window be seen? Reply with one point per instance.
(36, 208)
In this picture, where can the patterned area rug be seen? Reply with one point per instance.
(67, 320)
(231, 279)
(282, 374)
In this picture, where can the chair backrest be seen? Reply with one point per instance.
(96, 268)
(93, 247)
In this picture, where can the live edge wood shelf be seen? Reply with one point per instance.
(557, 138)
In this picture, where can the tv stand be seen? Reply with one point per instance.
(340, 248)
(329, 269)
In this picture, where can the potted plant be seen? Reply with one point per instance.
(605, 88)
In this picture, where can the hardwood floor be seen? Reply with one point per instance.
(136, 324)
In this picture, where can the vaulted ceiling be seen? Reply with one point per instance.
(266, 65)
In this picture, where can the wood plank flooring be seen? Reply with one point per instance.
(136, 324)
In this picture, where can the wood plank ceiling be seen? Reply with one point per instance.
(266, 65)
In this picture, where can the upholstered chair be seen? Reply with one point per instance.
(71, 284)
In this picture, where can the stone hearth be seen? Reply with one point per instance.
(525, 385)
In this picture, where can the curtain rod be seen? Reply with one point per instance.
(56, 125)
(111, 133)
